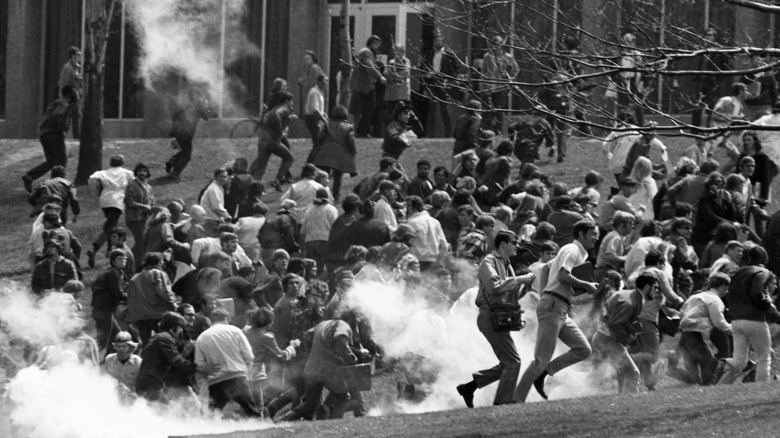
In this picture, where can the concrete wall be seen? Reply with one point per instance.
(23, 68)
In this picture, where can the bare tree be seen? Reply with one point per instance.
(672, 56)
(346, 54)
(99, 14)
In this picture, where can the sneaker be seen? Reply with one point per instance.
(276, 185)
(720, 370)
(27, 183)
(539, 384)
(91, 258)
(551, 153)
(168, 167)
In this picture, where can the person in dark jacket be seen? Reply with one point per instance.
(51, 132)
(751, 307)
(421, 185)
(56, 186)
(161, 356)
(337, 151)
(715, 206)
(187, 110)
(273, 141)
(238, 190)
(139, 201)
(149, 296)
(468, 132)
(395, 139)
(619, 327)
(367, 231)
(107, 292)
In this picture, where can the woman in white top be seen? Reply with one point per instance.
(642, 173)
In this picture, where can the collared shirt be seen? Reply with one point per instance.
(211, 245)
(317, 222)
(384, 212)
(227, 346)
(703, 311)
(612, 244)
(52, 276)
(304, 192)
(213, 201)
(428, 236)
(569, 257)
(70, 75)
(315, 102)
(126, 373)
(493, 274)
(111, 184)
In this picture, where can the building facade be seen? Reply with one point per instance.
(36, 34)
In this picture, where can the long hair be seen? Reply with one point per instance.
(643, 169)
(158, 216)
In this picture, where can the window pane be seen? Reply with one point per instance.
(3, 40)
(133, 86)
(112, 67)
(383, 26)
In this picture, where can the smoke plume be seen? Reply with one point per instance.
(197, 39)
(66, 398)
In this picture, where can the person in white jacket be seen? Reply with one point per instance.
(110, 185)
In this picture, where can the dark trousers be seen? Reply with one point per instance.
(700, 363)
(112, 215)
(264, 151)
(647, 351)
(180, 159)
(496, 103)
(145, 328)
(237, 390)
(311, 400)
(508, 368)
(106, 328)
(363, 109)
(312, 124)
(55, 153)
(137, 228)
(440, 101)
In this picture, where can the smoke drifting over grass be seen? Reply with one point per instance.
(197, 39)
(456, 350)
(67, 398)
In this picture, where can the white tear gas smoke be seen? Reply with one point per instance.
(406, 328)
(72, 399)
(197, 39)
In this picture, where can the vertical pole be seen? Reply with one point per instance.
(263, 21)
(661, 36)
(512, 50)
(121, 60)
(222, 61)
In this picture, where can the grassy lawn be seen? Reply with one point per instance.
(687, 412)
(20, 155)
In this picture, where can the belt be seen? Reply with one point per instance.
(559, 296)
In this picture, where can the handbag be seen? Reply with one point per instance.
(506, 316)
(668, 321)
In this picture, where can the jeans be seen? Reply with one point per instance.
(145, 328)
(317, 250)
(54, 150)
(313, 125)
(236, 389)
(749, 334)
(362, 107)
(137, 229)
(608, 349)
(700, 363)
(508, 367)
(554, 323)
(647, 351)
(441, 97)
(265, 148)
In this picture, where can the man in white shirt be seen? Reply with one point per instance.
(698, 316)
(314, 112)
(213, 201)
(227, 347)
(383, 210)
(553, 313)
(110, 185)
(618, 143)
(429, 244)
(304, 192)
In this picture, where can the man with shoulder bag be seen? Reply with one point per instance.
(499, 313)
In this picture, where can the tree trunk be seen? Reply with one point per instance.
(346, 54)
(99, 14)
(91, 144)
